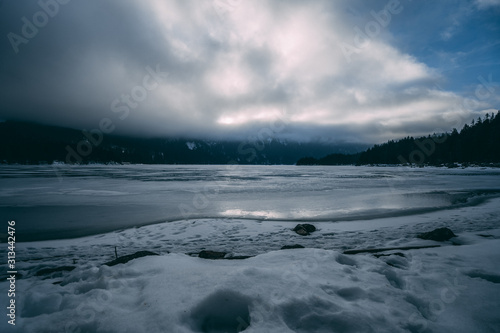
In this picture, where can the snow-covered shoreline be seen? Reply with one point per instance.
(317, 289)
(253, 237)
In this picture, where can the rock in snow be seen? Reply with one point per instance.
(125, 259)
(289, 247)
(304, 229)
(52, 270)
(212, 255)
(439, 235)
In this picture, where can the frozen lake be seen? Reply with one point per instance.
(54, 202)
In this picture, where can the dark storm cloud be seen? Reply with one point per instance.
(72, 67)
(228, 68)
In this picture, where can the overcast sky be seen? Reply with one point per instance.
(353, 70)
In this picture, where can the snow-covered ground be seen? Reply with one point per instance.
(452, 288)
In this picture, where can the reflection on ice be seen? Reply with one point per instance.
(277, 215)
(239, 213)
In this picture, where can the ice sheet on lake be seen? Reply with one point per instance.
(73, 201)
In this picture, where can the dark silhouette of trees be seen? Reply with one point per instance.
(478, 142)
(28, 143)
(332, 159)
(25, 143)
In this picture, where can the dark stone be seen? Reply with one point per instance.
(302, 232)
(216, 255)
(390, 249)
(238, 257)
(289, 247)
(212, 255)
(439, 235)
(309, 227)
(48, 271)
(125, 259)
(304, 229)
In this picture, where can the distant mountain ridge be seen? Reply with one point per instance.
(29, 143)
